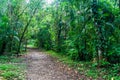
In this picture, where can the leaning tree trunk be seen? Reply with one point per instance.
(25, 29)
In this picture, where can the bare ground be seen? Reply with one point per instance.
(41, 66)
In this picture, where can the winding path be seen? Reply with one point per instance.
(41, 66)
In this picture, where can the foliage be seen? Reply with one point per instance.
(83, 30)
(88, 68)
(10, 68)
(71, 28)
(79, 29)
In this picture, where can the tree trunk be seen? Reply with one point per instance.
(3, 48)
(59, 36)
(25, 29)
(119, 4)
(98, 32)
(26, 45)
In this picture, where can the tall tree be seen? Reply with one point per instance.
(97, 24)
(27, 24)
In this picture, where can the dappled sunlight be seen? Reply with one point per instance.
(27, 1)
(48, 2)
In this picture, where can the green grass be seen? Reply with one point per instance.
(9, 59)
(11, 68)
(87, 68)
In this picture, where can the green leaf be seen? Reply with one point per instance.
(16, 38)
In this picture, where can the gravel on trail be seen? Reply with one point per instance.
(41, 66)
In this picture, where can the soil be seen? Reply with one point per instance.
(41, 66)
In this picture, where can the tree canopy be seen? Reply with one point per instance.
(84, 30)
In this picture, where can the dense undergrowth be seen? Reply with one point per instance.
(11, 68)
(111, 72)
(84, 30)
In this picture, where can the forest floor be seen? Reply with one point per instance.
(49, 65)
(41, 66)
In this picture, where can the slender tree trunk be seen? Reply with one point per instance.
(26, 45)
(25, 29)
(21, 38)
(98, 32)
(119, 4)
(10, 12)
(3, 48)
(59, 35)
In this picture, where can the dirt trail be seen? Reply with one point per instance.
(41, 66)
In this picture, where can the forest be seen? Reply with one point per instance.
(84, 31)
